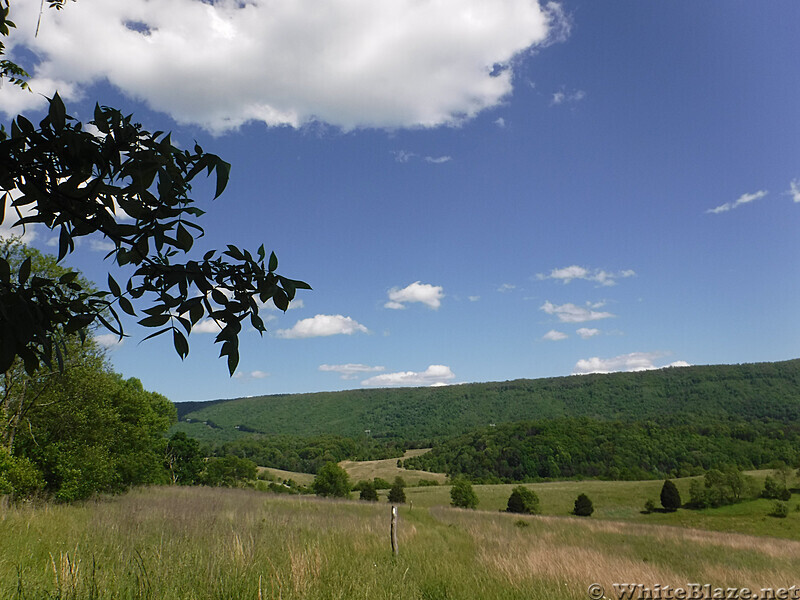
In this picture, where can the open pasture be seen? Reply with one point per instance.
(203, 543)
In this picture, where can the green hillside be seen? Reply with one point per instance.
(748, 392)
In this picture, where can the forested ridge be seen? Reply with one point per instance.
(747, 392)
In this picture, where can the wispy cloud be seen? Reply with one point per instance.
(635, 361)
(565, 97)
(599, 276)
(251, 375)
(438, 160)
(506, 287)
(110, 341)
(794, 190)
(571, 313)
(425, 293)
(432, 376)
(350, 370)
(322, 326)
(743, 199)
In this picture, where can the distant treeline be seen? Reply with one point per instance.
(581, 447)
(425, 416)
(305, 454)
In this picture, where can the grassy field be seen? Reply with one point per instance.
(388, 469)
(203, 543)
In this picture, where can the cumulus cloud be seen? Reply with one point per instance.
(571, 313)
(26, 234)
(270, 305)
(206, 326)
(429, 295)
(350, 370)
(743, 199)
(587, 332)
(554, 336)
(322, 326)
(354, 63)
(635, 361)
(599, 276)
(432, 376)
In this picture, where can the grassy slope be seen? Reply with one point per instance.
(751, 391)
(387, 469)
(200, 543)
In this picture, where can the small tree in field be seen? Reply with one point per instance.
(670, 496)
(331, 480)
(583, 506)
(462, 495)
(397, 494)
(523, 500)
(368, 492)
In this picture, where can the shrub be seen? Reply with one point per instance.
(368, 493)
(331, 480)
(427, 482)
(397, 494)
(381, 484)
(670, 497)
(775, 489)
(523, 500)
(462, 495)
(228, 471)
(583, 506)
(779, 510)
(649, 506)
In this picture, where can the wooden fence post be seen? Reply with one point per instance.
(395, 549)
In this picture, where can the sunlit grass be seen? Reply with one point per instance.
(201, 543)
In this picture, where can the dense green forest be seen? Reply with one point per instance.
(582, 447)
(423, 416)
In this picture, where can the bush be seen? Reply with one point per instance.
(670, 497)
(649, 506)
(427, 482)
(381, 484)
(583, 506)
(779, 510)
(462, 495)
(228, 471)
(18, 476)
(397, 494)
(368, 493)
(523, 500)
(775, 489)
(331, 481)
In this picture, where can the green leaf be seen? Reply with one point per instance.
(114, 287)
(57, 112)
(223, 170)
(24, 271)
(184, 238)
(126, 305)
(3, 201)
(273, 262)
(180, 343)
(154, 321)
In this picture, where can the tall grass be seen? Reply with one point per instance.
(201, 543)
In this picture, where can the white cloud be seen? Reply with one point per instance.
(108, 340)
(599, 276)
(554, 336)
(322, 326)
(506, 287)
(206, 326)
(743, 199)
(635, 361)
(7, 230)
(251, 375)
(500, 122)
(270, 305)
(570, 313)
(473, 298)
(794, 190)
(403, 156)
(427, 294)
(354, 63)
(351, 371)
(438, 160)
(101, 245)
(432, 376)
(587, 332)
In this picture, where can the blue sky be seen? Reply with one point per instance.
(476, 191)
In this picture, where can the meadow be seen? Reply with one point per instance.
(216, 543)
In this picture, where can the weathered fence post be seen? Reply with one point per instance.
(394, 531)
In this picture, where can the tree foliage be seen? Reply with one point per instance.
(397, 493)
(133, 188)
(670, 496)
(462, 495)
(523, 500)
(583, 506)
(332, 481)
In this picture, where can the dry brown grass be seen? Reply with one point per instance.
(387, 469)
